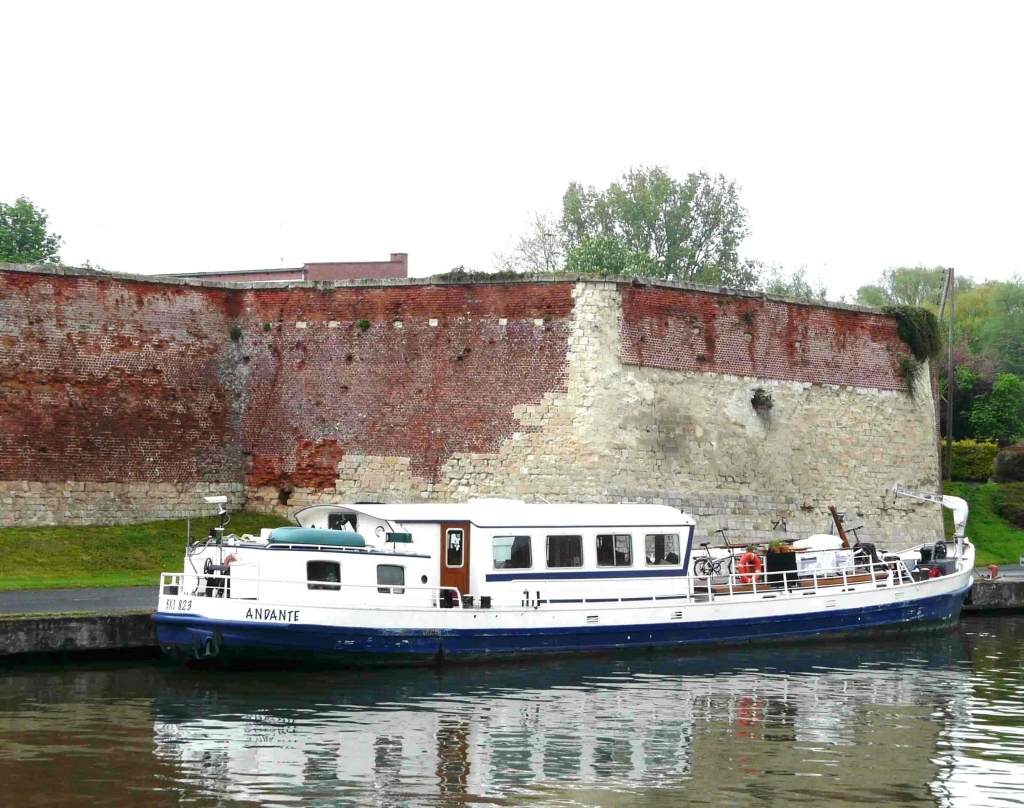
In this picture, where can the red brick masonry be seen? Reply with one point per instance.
(417, 391)
(104, 379)
(748, 336)
(119, 379)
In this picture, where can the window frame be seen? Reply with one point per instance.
(323, 583)
(679, 550)
(511, 547)
(613, 537)
(547, 549)
(462, 548)
(391, 589)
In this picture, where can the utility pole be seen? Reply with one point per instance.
(950, 379)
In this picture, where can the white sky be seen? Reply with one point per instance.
(201, 136)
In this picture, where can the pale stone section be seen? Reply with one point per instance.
(28, 504)
(622, 433)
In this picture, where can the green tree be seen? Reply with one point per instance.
(690, 231)
(909, 286)
(775, 281)
(606, 255)
(1000, 416)
(1002, 331)
(24, 238)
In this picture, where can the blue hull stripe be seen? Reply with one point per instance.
(184, 632)
(556, 575)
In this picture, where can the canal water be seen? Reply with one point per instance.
(929, 720)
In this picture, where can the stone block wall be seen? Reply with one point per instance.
(150, 394)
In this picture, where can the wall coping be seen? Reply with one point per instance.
(436, 280)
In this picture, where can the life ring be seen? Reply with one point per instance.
(749, 568)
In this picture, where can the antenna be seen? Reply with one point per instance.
(222, 512)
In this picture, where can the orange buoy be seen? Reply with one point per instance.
(749, 568)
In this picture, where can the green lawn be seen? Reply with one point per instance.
(135, 555)
(113, 555)
(996, 541)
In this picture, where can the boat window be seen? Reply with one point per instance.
(615, 550)
(456, 545)
(565, 551)
(390, 579)
(511, 552)
(341, 521)
(661, 549)
(329, 571)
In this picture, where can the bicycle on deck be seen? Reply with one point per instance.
(708, 566)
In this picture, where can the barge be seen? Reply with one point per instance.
(392, 583)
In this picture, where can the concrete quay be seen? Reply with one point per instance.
(32, 635)
(1004, 593)
(46, 622)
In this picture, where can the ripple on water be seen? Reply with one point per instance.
(938, 719)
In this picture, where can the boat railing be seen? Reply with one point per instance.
(859, 576)
(238, 587)
(890, 572)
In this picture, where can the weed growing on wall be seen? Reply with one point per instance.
(919, 330)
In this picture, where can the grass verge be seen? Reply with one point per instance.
(996, 541)
(105, 556)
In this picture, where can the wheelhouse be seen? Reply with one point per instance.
(495, 550)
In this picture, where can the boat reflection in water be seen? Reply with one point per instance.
(823, 725)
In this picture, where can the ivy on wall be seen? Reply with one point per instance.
(919, 330)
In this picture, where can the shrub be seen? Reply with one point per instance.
(909, 369)
(973, 460)
(1008, 501)
(362, 324)
(919, 329)
(236, 334)
(1010, 465)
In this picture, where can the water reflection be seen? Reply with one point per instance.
(933, 721)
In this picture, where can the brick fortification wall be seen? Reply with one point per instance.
(119, 400)
(419, 391)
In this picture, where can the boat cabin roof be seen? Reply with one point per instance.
(510, 513)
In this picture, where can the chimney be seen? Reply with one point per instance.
(403, 259)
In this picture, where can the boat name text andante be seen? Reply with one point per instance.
(277, 615)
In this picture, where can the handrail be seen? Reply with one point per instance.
(179, 579)
(730, 585)
(689, 588)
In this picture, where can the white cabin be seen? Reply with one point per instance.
(494, 552)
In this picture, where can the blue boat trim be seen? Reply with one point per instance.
(556, 575)
(189, 631)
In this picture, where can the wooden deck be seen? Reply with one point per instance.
(803, 583)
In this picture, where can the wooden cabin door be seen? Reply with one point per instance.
(455, 555)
